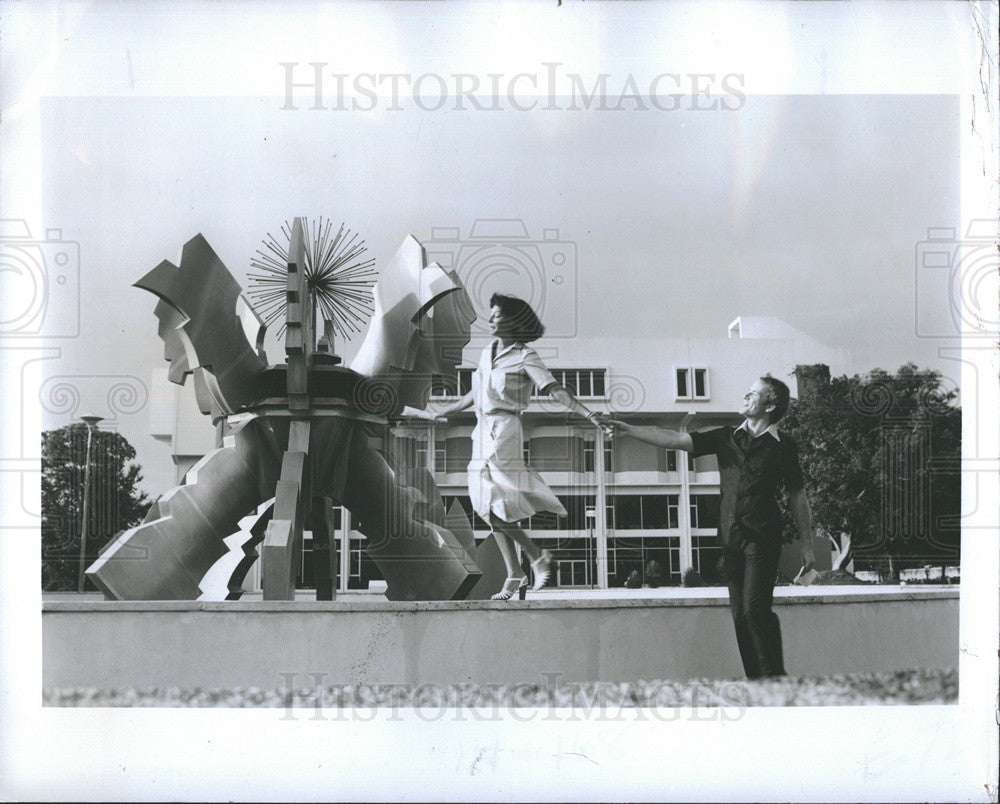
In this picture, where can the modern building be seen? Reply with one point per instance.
(628, 503)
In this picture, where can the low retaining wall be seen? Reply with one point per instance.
(115, 645)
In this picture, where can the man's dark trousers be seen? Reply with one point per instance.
(751, 572)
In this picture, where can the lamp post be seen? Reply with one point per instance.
(600, 520)
(591, 515)
(91, 422)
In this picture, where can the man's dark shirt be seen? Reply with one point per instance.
(750, 472)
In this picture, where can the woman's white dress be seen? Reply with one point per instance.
(499, 479)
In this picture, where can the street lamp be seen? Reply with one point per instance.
(91, 422)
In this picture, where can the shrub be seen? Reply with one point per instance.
(691, 578)
(654, 574)
(634, 580)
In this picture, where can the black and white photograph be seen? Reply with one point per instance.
(503, 401)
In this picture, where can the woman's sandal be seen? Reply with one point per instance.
(542, 568)
(510, 588)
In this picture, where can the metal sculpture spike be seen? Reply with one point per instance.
(338, 279)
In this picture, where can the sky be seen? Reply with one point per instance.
(804, 207)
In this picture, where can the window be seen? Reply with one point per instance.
(682, 384)
(580, 382)
(569, 381)
(576, 507)
(674, 511)
(705, 511)
(654, 511)
(590, 501)
(526, 451)
(671, 460)
(628, 512)
(692, 382)
(355, 571)
(545, 520)
(584, 382)
(456, 385)
(707, 554)
(464, 381)
(597, 380)
(589, 449)
(644, 511)
(440, 455)
(572, 572)
(701, 383)
(421, 457)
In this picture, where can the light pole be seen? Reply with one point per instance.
(591, 515)
(91, 422)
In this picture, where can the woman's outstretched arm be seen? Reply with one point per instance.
(464, 403)
(565, 398)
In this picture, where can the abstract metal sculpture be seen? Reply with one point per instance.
(310, 433)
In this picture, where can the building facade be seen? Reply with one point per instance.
(629, 504)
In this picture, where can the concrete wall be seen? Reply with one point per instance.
(249, 644)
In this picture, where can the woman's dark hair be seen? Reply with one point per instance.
(780, 396)
(524, 324)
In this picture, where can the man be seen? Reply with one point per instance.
(754, 460)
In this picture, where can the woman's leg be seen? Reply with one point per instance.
(514, 533)
(507, 552)
(515, 577)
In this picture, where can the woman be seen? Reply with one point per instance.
(503, 489)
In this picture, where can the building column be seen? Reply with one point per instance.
(431, 450)
(600, 514)
(684, 501)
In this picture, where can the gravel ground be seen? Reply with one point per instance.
(901, 687)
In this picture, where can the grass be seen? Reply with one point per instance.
(916, 686)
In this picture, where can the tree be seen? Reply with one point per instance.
(880, 453)
(115, 502)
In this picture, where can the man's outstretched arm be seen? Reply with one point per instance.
(658, 436)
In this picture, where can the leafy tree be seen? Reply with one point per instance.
(115, 502)
(880, 453)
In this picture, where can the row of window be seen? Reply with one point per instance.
(580, 381)
(622, 512)
(444, 462)
(691, 382)
(575, 563)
